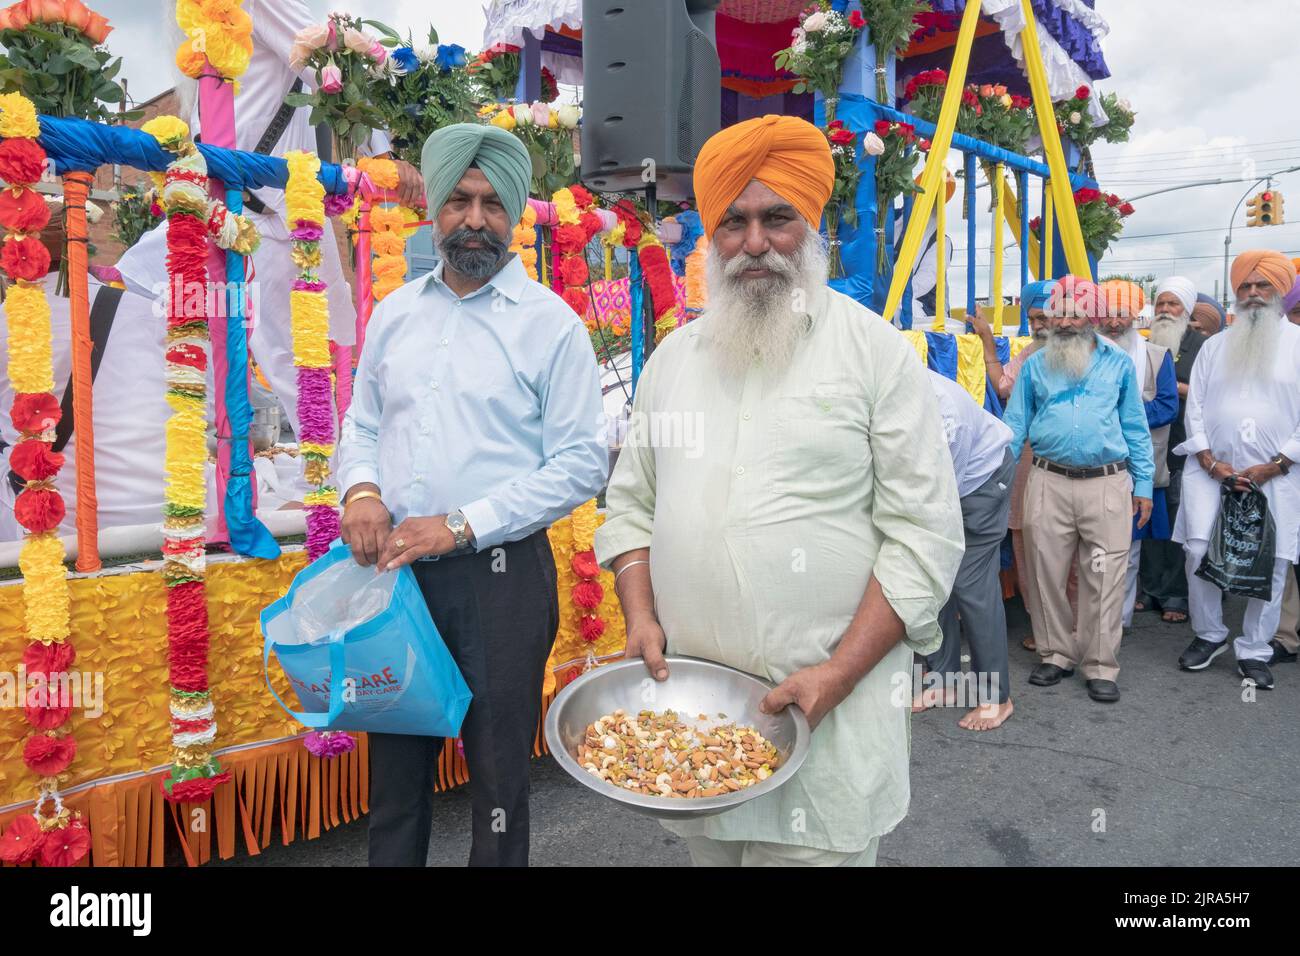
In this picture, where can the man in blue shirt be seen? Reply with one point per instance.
(1078, 402)
(475, 423)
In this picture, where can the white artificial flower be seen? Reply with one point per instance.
(523, 114)
(427, 54)
(873, 144)
(814, 22)
(800, 45)
(1075, 118)
(568, 115)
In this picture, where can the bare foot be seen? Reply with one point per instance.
(1174, 617)
(986, 717)
(933, 697)
(1028, 643)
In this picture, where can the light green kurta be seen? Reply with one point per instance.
(767, 505)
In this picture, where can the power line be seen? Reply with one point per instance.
(1135, 163)
(1177, 152)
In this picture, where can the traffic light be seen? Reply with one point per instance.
(1265, 209)
(1278, 215)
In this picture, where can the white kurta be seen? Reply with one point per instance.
(766, 517)
(1243, 423)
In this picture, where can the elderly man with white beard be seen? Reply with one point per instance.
(1079, 403)
(1162, 583)
(816, 539)
(1243, 427)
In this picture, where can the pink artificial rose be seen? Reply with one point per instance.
(378, 53)
(541, 114)
(331, 79)
(299, 54)
(313, 37)
(332, 42)
(357, 42)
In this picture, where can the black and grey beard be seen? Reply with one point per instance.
(1250, 345)
(472, 263)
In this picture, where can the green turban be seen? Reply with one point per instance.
(449, 151)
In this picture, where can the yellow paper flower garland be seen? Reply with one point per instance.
(219, 29)
(388, 230)
(523, 241)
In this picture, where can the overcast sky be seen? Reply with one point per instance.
(1213, 86)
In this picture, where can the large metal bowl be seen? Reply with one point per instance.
(693, 687)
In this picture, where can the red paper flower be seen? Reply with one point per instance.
(591, 628)
(25, 211)
(66, 846)
(584, 564)
(49, 756)
(188, 354)
(41, 658)
(576, 298)
(1126, 209)
(33, 460)
(574, 271)
(39, 510)
(25, 258)
(581, 197)
(22, 161)
(50, 717)
(856, 20)
(588, 594)
(22, 839)
(590, 223)
(568, 238)
(35, 413)
(1082, 93)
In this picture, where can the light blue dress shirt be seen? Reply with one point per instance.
(490, 404)
(1095, 421)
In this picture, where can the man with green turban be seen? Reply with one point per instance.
(476, 422)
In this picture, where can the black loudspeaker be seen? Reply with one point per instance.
(652, 92)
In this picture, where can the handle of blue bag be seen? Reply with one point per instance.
(315, 721)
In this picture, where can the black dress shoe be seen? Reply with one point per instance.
(1257, 673)
(1045, 675)
(1199, 654)
(1103, 691)
(1280, 654)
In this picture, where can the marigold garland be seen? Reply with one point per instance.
(195, 773)
(577, 223)
(38, 508)
(219, 30)
(523, 241)
(309, 320)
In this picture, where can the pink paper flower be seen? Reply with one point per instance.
(328, 744)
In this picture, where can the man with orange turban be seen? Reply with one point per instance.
(1155, 370)
(824, 485)
(1243, 429)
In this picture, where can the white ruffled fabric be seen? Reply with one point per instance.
(508, 19)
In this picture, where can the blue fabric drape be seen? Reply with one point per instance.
(77, 144)
(247, 534)
(1073, 36)
(941, 353)
(636, 292)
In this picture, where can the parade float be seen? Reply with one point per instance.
(182, 741)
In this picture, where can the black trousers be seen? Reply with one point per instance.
(1162, 575)
(498, 612)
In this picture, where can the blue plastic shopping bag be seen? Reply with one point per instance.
(361, 651)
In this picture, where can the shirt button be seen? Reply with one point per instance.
(443, 343)
(426, 429)
(740, 471)
(746, 416)
(435, 386)
(458, 303)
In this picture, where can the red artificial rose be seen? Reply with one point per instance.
(841, 136)
(22, 161)
(591, 628)
(856, 20)
(588, 594)
(23, 210)
(1082, 93)
(1035, 223)
(1112, 200)
(39, 510)
(33, 460)
(49, 756)
(924, 145)
(22, 840)
(908, 131)
(66, 846)
(54, 658)
(910, 90)
(979, 110)
(580, 196)
(969, 98)
(1086, 195)
(573, 270)
(1126, 209)
(835, 124)
(25, 258)
(584, 564)
(576, 299)
(882, 128)
(35, 413)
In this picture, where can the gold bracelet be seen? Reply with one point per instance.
(363, 494)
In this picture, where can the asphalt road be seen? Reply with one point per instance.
(1182, 771)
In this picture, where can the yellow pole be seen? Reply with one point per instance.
(932, 178)
(1012, 219)
(1076, 255)
(995, 292)
(941, 261)
(1048, 239)
(609, 261)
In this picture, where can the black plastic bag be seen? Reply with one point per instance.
(1242, 545)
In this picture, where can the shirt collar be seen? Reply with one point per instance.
(509, 280)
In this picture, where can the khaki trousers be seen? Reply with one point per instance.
(1088, 522)
(707, 852)
(1286, 628)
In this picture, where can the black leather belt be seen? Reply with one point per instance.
(1101, 471)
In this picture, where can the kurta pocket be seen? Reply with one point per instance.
(819, 444)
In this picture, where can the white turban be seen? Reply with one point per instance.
(1183, 289)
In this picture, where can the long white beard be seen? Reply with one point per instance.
(1168, 331)
(1069, 354)
(761, 320)
(1251, 341)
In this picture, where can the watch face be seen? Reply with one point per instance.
(456, 521)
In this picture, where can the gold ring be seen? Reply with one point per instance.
(400, 543)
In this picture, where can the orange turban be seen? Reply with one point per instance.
(1122, 294)
(788, 155)
(1275, 267)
